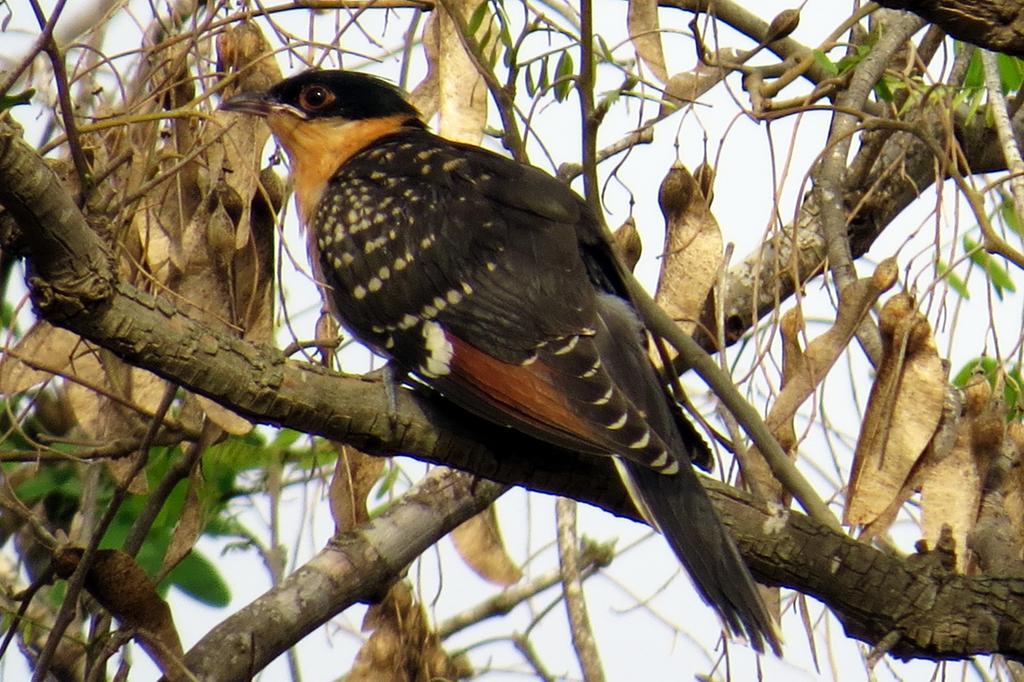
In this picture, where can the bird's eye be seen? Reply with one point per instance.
(315, 97)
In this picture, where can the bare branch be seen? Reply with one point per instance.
(354, 567)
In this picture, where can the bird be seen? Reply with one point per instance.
(493, 283)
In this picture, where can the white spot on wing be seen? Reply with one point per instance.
(567, 348)
(660, 461)
(619, 423)
(439, 350)
(593, 370)
(642, 442)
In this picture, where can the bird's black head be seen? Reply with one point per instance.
(323, 118)
(317, 94)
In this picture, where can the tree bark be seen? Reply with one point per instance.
(996, 25)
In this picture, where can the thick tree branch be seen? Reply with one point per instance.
(927, 611)
(354, 567)
(996, 25)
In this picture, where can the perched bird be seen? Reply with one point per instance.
(494, 283)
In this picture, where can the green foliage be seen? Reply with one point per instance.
(973, 92)
(824, 62)
(8, 101)
(199, 578)
(1011, 72)
(564, 76)
(998, 276)
(58, 488)
(1009, 376)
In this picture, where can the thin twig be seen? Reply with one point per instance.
(60, 75)
(158, 496)
(525, 647)
(40, 42)
(1004, 130)
(830, 176)
(589, 118)
(592, 557)
(575, 605)
(77, 580)
(567, 172)
(512, 138)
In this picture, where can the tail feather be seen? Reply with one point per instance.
(676, 503)
(679, 506)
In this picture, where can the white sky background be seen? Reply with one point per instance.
(634, 644)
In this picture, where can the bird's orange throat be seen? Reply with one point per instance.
(318, 148)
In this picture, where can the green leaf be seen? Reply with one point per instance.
(849, 61)
(1013, 382)
(997, 275)
(1011, 73)
(822, 60)
(50, 480)
(882, 90)
(1009, 213)
(563, 76)
(954, 281)
(974, 79)
(504, 33)
(984, 364)
(237, 454)
(604, 53)
(975, 104)
(8, 316)
(284, 439)
(485, 39)
(477, 18)
(197, 577)
(388, 481)
(8, 101)
(1012, 394)
(609, 98)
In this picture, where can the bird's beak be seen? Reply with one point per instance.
(258, 103)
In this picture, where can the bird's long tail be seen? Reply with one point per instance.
(677, 503)
(679, 506)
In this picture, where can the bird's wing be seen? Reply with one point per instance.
(499, 312)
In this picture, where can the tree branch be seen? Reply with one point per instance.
(357, 566)
(996, 25)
